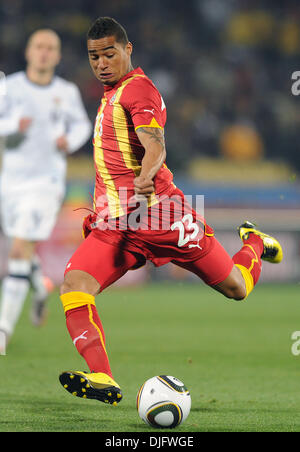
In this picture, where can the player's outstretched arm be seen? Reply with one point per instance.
(79, 125)
(153, 141)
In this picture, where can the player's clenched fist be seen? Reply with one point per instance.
(62, 143)
(86, 225)
(24, 124)
(143, 186)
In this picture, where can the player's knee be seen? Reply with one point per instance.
(77, 281)
(70, 286)
(236, 292)
(65, 288)
(239, 294)
(21, 249)
(236, 287)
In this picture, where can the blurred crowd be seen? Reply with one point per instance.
(224, 68)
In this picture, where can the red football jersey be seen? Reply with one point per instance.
(131, 103)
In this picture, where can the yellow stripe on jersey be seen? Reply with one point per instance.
(154, 124)
(113, 199)
(121, 131)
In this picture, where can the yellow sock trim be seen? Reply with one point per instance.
(247, 277)
(254, 260)
(72, 300)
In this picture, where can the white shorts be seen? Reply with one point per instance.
(30, 215)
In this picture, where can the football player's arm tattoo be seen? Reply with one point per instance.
(153, 141)
(155, 134)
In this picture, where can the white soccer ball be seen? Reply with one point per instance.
(163, 402)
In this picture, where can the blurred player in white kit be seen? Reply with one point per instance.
(43, 119)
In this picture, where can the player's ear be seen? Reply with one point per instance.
(128, 48)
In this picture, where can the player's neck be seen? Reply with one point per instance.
(39, 78)
(130, 68)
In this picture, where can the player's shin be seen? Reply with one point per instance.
(37, 279)
(41, 287)
(15, 288)
(248, 260)
(86, 331)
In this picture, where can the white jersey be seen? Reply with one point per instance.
(32, 159)
(33, 169)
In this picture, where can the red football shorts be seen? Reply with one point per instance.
(177, 234)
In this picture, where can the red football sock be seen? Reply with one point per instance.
(86, 330)
(87, 334)
(248, 260)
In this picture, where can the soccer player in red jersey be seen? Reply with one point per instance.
(139, 213)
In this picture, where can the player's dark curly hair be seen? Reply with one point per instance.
(107, 26)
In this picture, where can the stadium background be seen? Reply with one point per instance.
(224, 70)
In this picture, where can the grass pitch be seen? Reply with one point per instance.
(234, 357)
